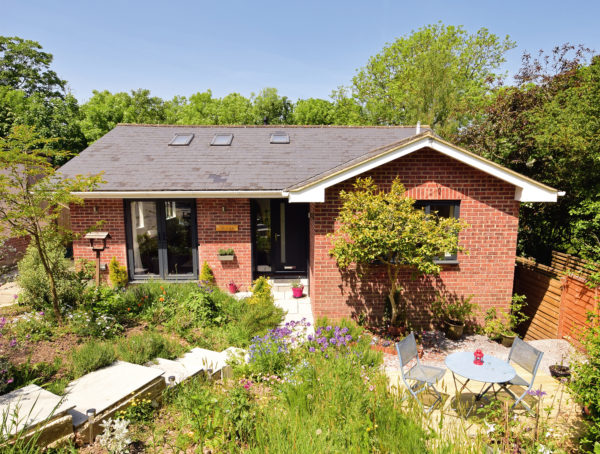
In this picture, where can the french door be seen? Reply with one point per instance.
(161, 239)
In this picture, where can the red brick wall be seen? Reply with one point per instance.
(229, 212)
(487, 205)
(12, 250)
(209, 213)
(111, 211)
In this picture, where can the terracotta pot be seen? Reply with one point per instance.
(558, 371)
(454, 330)
(507, 340)
(233, 288)
(297, 292)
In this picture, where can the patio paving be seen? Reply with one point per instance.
(7, 294)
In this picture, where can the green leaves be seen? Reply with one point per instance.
(437, 75)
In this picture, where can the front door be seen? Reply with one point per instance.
(161, 239)
(280, 237)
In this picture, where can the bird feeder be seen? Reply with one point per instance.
(98, 244)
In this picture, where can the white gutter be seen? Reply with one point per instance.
(182, 194)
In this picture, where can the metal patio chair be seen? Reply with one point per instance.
(529, 358)
(423, 377)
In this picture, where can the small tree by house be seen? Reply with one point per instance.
(385, 227)
(33, 196)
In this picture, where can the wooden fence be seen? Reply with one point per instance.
(558, 297)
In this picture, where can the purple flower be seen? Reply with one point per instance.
(15, 296)
(328, 328)
(536, 392)
(42, 313)
(12, 343)
(333, 341)
(9, 381)
(348, 337)
(311, 349)
(310, 338)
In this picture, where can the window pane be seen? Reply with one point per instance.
(144, 234)
(263, 235)
(178, 222)
(443, 211)
(222, 139)
(181, 139)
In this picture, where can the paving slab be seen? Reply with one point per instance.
(171, 368)
(106, 387)
(29, 406)
(8, 292)
(203, 359)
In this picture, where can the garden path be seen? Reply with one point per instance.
(8, 291)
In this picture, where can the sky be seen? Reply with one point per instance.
(303, 48)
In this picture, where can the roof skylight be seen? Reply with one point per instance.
(280, 137)
(181, 139)
(222, 139)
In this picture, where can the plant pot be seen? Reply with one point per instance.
(454, 329)
(558, 371)
(226, 258)
(297, 292)
(507, 340)
(232, 288)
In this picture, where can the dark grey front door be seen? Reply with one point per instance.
(280, 235)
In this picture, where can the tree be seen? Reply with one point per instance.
(547, 127)
(33, 195)
(270, 107)
(23, 66)
(234, 109)
(346, 109)
(437, 75)
(385, 227)
(313, 111)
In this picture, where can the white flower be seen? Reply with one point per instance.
(543, 450)
(490, 428)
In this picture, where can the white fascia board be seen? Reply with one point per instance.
(525, 190)
(181, 194)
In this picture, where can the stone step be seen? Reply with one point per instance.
(172, 368)
(32, 406)
(110, 387)
(198, 359)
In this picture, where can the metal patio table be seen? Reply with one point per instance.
(492, 371)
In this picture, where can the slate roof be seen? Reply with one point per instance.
(138, 157)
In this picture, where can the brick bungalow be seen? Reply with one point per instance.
(174, 195)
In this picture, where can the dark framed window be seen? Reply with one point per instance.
(162, 239)
(443, 209)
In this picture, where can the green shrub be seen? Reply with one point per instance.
(206, 306)
(206, 274)
(91, 356)
(499, 323)
(261, 291)
(260, 317)
(353, 328)
(141, 348)
(70, 284)
(585, 382)
(117, 274)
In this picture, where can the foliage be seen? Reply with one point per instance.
(269, 107)
(91, 356)
(139, 410)
(23, 66)
(261, 290)
(115, 437)
(206, 274)
(385, 227)
(86, 323)
(204, 307)
(33, 326)
(438, 75)
(502, 323)
(314, 111)
(34, 198)
(547, 127)
(141, 348)
(36, 291)
(228, 251)
(117, 274)
(585, 381)
(297, 284)
(13, 376)
(453, 308)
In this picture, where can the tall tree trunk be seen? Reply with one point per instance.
(393, 277)
(47, 268)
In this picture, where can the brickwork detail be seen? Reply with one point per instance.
(12, 250)
(487, 205)
(85, 216)
(211, 212)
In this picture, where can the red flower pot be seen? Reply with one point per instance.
(297, 292)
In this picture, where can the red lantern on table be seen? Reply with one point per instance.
(478, 357)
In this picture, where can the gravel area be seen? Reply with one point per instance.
(436, 347)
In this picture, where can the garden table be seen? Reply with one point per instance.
(492, 371)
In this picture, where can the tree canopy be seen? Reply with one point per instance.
(438, 75)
